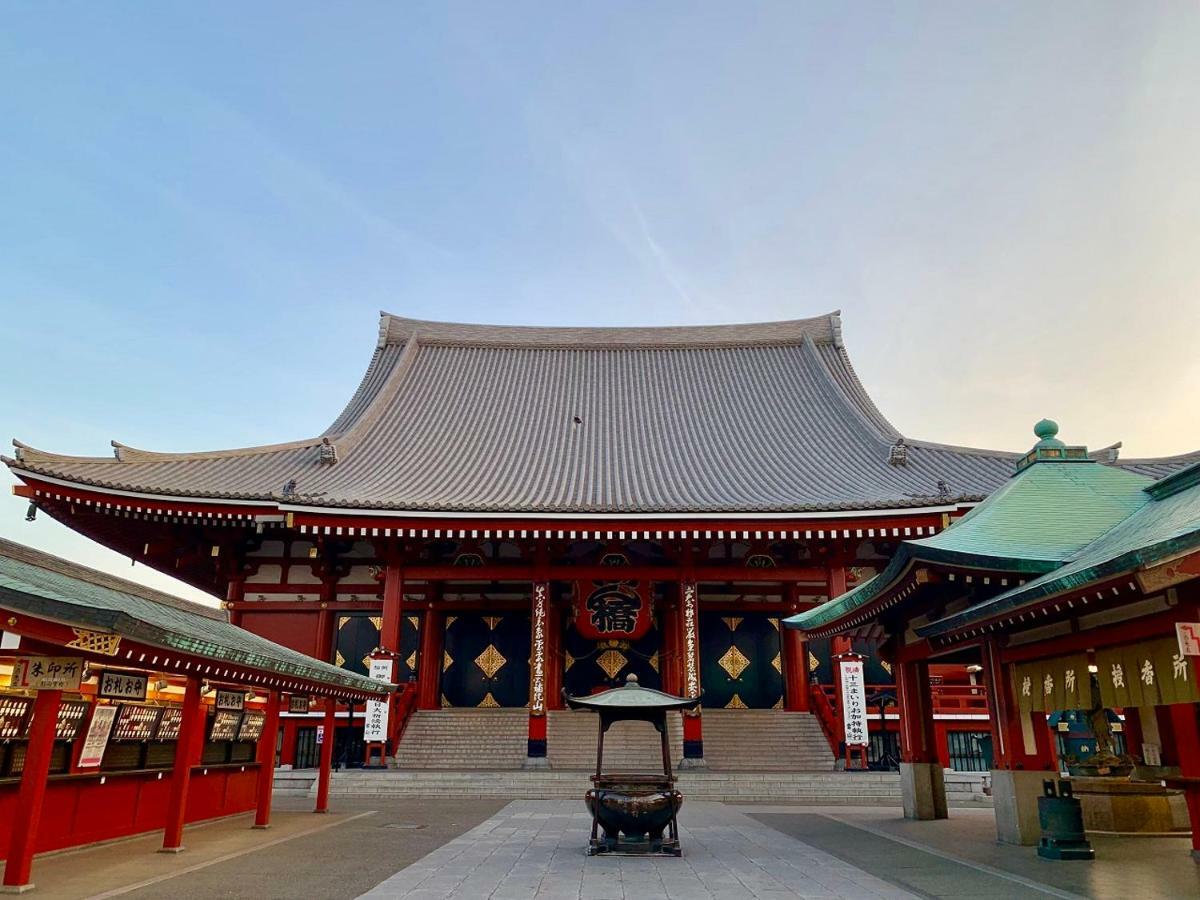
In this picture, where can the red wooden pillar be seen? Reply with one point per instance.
(323, 775)
(187, 754)
(835, 581)
(19, 862)
(535, 754)
(235, 593)
(554, 656)
(795, 660)
(429, 678)
(325, 627)
(393, 608)
(689, 640)
(266, 762)
(1185, 724)
(669, 660)
(918, 740)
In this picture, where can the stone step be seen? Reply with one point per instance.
(867, 788)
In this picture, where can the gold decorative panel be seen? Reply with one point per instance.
(774, 622)
(568, 661)
(411, 662)
(450, 620)
(447, 660)
(734, 662)
(490, 661)
(377, 621)
(778, 664)
(654, 662)
(492, 622)
(778, 704)
(735, 702)
(340, 659)
(415, 622)
(612, 662)
(489, 702)
(446, 704)
(366, 661)
(732, 621)
(887, 666)
(95, 642)
(813, 662)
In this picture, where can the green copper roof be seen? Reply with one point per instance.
(49, 587)
(1050, 509)
(1157, 530)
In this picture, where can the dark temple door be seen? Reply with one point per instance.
(589, 666)
(486, 660)
(740, 662)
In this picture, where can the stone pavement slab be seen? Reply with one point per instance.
(536, 849)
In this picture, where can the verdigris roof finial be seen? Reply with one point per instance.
(1049, 447)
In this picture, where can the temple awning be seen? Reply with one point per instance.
(1057, 509)
(52, 589)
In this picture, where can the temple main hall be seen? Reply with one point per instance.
(503, 514)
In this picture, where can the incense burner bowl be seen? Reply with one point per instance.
(633, 809)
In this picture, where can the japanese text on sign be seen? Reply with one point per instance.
(854, 703)
(47, 673)
(1188, 634)
(122, 685)
(231, 700)
(375, 725)
(298, 703)
(97, 736)
(537, 689)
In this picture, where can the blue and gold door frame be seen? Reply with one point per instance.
(485, 660)
(589, 666)
(741, 664)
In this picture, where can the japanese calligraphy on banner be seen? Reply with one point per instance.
(1047, 685)
(612, 609)
(1147, 674)
(537, 660)
(122, 685)
(47, 673)
(691, 640)
(854, 702)
(375, 725)
(97, 736)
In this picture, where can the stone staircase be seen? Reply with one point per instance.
(817, 788)
(735, 740)
(765, 740)
(479, 739)
(628, 746)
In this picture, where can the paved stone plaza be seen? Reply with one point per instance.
(468, 849)
(534, 848)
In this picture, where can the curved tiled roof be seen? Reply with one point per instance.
(757, 418)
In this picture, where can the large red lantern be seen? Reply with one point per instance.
(612, 610)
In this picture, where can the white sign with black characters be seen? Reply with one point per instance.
(122, 685)
(854, 703)
(97, 736)
(235, 701)
(375, 725)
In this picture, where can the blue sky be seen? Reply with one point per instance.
(204, 207)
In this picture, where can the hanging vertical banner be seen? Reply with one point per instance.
(375, 724)
(854, 703)
(537, 661)
(691, 640)
(97, 736)
(605, 610)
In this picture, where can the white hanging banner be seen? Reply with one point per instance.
(375, 726)
(854, 702)
(97, 736)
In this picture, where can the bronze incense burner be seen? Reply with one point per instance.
(633, 813)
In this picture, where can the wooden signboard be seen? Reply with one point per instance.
(122, 685)
(298, 703)
(854, 703)
(375, 725)
(231, 700)
(47, 673)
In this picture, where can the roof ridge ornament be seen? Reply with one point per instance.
(1050, 449)
(898, 453)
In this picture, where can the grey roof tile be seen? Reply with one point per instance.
(766, 418)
